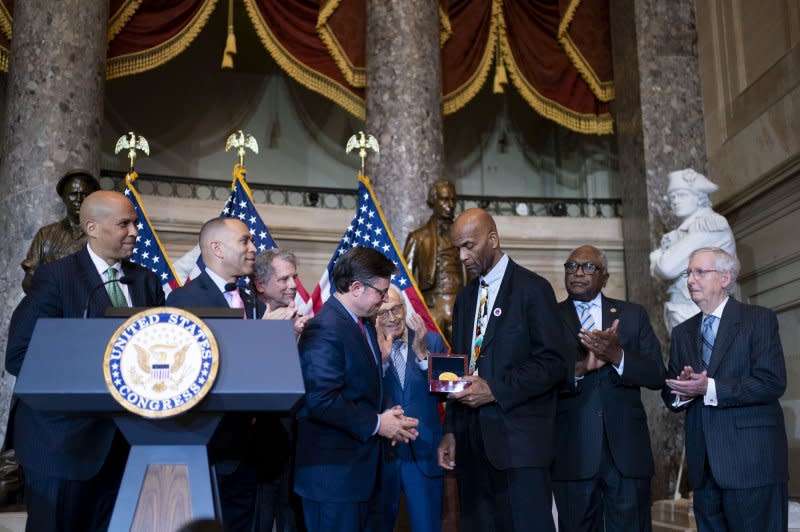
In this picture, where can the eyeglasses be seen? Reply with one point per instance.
(588, 267)
(383, 292)
(697, 272)
(396, 312)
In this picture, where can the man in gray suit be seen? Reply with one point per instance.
(727, 372)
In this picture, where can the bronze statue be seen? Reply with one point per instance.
(434, 260)
(66, 236)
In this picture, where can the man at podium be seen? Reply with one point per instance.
(243, 457)
(73, 465)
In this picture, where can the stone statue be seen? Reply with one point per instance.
(66, 236)
(700, 226)
(434, 260)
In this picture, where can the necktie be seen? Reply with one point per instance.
(480, 325)
(399, 361)
(236, 301)
(708, 334)
(114, 290)
(587, 322)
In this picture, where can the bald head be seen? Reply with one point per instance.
(227, 248)
(474, 233)
(109, 220)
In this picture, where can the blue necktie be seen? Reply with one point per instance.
(587, 322)
(399, 361)
(708, 334)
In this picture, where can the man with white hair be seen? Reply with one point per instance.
(411, 467)
(728, 373)
(700, 226)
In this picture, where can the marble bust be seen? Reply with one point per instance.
(700, 226)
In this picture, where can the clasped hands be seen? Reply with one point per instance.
(397, 427)
(689, 384)
(603, 347)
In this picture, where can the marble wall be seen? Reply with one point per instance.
(749, 56)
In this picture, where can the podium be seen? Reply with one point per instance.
(167, 479)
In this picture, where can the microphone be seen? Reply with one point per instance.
(235, 286)
(124, 280)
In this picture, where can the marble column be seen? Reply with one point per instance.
(52, 123)
(404, 107)
(659, 126)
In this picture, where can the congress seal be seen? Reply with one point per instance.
(161, 362)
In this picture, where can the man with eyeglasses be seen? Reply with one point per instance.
(603, 463)
(727, 372)
(342, 424)
(412, 468)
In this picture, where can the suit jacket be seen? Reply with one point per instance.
(67, 447)
(419, 403)
(337, 455)
(605, 404)
(203, 292)
(744, 435)
(523, 360)
(237, 438)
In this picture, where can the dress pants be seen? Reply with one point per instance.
(61, 505)
(606, 502)
(494, 500)
(423, 496)
(762, 509)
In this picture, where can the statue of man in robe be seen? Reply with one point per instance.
(700, 226)
(65, 236)
(433, 259)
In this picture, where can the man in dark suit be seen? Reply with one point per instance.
(603, 462)
(499, 430)
(229, 254)
(727, 372)
(73, 465)
(412, 468)
(340, 426)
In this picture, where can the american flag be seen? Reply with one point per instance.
(369, 229)
(240, 205)
(149, 252)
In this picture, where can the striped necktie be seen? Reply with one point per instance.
(708, 337)
(587, 321)
(480, 325)
(399, 361)
(114, 291)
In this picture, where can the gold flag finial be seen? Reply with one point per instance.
(132, 142)
(240, 141)
(362, 142)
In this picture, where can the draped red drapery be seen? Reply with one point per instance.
(556, 53)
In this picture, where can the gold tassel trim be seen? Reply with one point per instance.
(603, 90)
(230, 42)
(3, 59)
(137, 62)
(445, 29)
(458, 98)
(121, 18)
(581, 123)
(355, 76)
(6, 22)
(299, 72)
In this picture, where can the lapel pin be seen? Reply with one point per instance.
(613, 310)
(497, 311)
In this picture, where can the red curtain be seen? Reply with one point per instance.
(556, 53)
